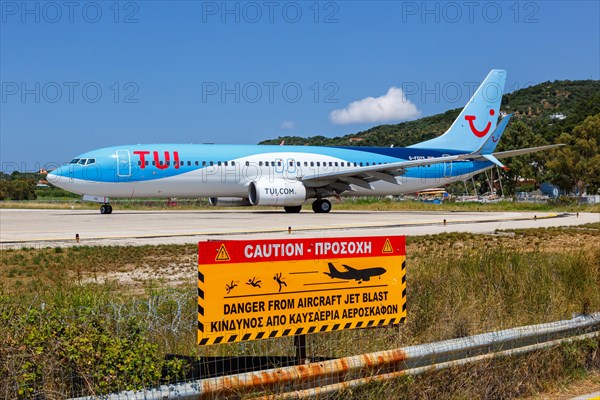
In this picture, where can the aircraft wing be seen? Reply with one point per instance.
(510, 153)
(348, 268)
(340, 181)
(363, 176)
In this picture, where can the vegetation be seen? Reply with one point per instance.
(578, 163)
(80, 320)
(17, 186)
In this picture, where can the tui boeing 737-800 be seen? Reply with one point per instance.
(288, 176)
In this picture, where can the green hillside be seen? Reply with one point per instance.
(533, 105)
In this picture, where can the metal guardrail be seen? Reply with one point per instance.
(312, 379)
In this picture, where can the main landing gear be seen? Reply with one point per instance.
(105, 209)
(321, 206)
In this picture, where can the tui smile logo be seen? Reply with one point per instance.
(476, 131)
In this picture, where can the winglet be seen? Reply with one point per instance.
(490, 144)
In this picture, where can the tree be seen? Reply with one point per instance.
(519, 136)
(578, 163)
(21, 189)
(17, 189)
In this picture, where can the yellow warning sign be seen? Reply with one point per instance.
(222, 254)
(286, 287)
(387, 247)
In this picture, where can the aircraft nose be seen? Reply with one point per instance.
(55, 175)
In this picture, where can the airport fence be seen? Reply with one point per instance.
(315, 376)
(271, 368)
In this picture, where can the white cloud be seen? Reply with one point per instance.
(288, 124)
(392, 106)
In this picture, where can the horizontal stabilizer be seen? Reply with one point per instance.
(493, 159)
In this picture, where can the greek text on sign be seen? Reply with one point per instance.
(272, 288)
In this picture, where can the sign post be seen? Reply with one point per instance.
(258, 289)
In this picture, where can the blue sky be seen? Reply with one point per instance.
(84, 75)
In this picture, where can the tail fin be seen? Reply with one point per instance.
(332, 271)
(476, 121)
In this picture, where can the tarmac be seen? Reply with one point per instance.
(31, 228)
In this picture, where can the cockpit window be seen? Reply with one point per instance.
(82, 161)
(90, 161)
(74, 161)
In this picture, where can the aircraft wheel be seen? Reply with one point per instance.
(103, 209)
(292, 209)
(321, 206)
(109, 209)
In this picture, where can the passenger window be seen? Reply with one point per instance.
(312, 163)
(196, 163)
(212, 163)
(153, 162)
(226, 163)
(247, 163)
(189, 163)
(260, 163)
(272, 163)
(139, 163)
(298, 164)
(204, 163)
(305, 164)
(219, 163)
(233, 163)
(330, 164)
(336, 164)
(318, 163)
(146, 163)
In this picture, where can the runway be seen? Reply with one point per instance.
(20, 227)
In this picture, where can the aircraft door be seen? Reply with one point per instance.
(123, 164)
(447, 168)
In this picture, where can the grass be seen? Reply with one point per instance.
(56, 303)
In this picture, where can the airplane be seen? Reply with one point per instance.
(360, 275)
(288, 176)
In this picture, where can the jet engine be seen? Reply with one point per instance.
(278, 193)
